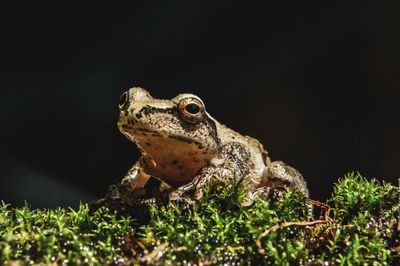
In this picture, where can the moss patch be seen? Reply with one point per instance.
(362, 228)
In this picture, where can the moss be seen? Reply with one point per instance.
(362, 228)
(62, 236)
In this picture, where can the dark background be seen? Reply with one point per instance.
(317, 82)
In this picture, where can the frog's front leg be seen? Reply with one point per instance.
(230, 164)
(132, 185)
(136, 176)
(126, 192)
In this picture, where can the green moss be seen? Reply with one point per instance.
(63, 236)
(363, 229)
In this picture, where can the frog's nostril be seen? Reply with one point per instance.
(123, 100)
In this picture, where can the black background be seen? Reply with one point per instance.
(317, 82)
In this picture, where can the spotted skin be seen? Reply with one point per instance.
(186, 148)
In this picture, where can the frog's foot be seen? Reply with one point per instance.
(148, 201)
(178, 194)
(124, 194)
(283, 176)
(198, 184)
(119, 198)
(203, 182)
(176, 198)
(251, 195)
(185, 200)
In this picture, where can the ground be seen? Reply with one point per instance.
(358, 225)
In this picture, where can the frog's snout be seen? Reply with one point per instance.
(137, 94)
(133, 95)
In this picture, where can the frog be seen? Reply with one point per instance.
(186, 149)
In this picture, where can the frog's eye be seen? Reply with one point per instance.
(191, 110)
(123, 100)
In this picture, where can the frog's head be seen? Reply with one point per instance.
(180, 125)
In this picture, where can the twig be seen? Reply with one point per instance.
(273, 228)
(156, 253)
(279, 226)
(325, 207)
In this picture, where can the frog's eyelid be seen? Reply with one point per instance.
(123, 100)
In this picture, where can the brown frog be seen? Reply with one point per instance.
(186, 148)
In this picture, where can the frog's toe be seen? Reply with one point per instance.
(246, 202)
(252, 195)
(180, 199)
(174, 196)
(198, 194)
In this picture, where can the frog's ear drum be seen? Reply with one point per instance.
(123, 100)
(191, 110)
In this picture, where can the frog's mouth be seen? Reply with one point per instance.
(147, 139)
(144, 135)
(154, 142)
